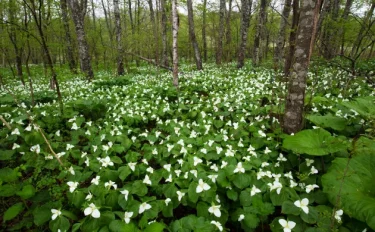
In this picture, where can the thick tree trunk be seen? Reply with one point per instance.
(259, 34)
(68, 39)
(164, 52)
(280, 42)
(245, 22)
(228, 34)
(292, 38)
(174, 42)
(204, 16)
(219, 51)
(193, 39)
(120, 62)
(297, 83)
(78, 9)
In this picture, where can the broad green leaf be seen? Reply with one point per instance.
(6, 154)
(316, 142)
(328, 121)
(241, 180)
(26, 192)
(139, 188)
(364, 106)
(289, 208)
(354, 180)
(8, 174)
(192, 193)
(251, 220)
(59, 224)
(42, 214)
(155, 227)
(13, 211)
(121, 226)
(124, 172)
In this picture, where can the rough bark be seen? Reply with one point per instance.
(120, 60)
(164, 55)
(174, 42)
(297, 83)
(219, 51)
(204, 16)
(280, 42)
(292, 38)
(193, 39)
(68, 38)
(78, 9)
(245, 22)
(259, 34)
(228, 34)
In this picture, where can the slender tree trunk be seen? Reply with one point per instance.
(292, 38)
(245, 22)
(259, 34)
(219, 51)
(297, 84)
(174, 42)
(120, 62)
(280, 42)
(107, 21)
(154, 31)
(68, 39)
(164, 52)
(78, 9)
(193, 39)
(344, 17)
(362, 32)
(204, 16)
(228, 34)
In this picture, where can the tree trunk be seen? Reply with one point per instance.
(68, 39)
(174, 42)
(297, 83)
(259, 34)
(228, 34)
(344, 17)
(78, 9)
(292, 38)
(193, 39)
(120, 62)
(204, 16)
(245, 22)
(219, 51)
(154, 31)
(164, 52)
(280, 42)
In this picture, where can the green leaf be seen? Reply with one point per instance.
(251, 220)
(6, 154)
(155, 227)
(13, 211)
(192, 193)
(26, 192)
(311, 217)
(364, 106)
(42, 214)
(8, 190)
(139, 188)
(120, 226)
(60, 223)
(328, 121)
(233, 195)
(289, 208)
(124, 172)
(241, 180)
(8, 175)
(34, 138)
(278, 199)
(357, 191)
(316, 142)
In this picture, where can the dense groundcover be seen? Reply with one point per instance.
(137, 155)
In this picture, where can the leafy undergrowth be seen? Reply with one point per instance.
(139, 156)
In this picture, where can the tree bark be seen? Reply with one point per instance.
(219, 51)
(292, 38)
(245, 22)
(204, 16)
(174, 42)
(228, 34)
(120, 62)
(68, 39)
(344, 17)
(78, 9)
(154, 31)
(297, 83)
(259, 34)
(280, 42)
(193, 39)
(164, 33)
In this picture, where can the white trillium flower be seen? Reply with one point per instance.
(202, 186)
(95, 180)
(55, 213)
(143, 207)
(74, 126)
(241, 217)
(313, 170)
(213, 177)
(89, 197)
(167, 201)
(167, 167)
(180, 195)
(338, 215)
(309, 162)
(125, 193)
(311, 187)
(69, 146)
(287, 225)
(254, 190)
(303, 204)
(197, 161)
(72, 186)
(239, 168)
(110, 184)
(218, 225)
(16, 132)
(132, 166)
(127, 217)
(275, 185)
(215, 210)
(71, 170)
(15, 146)
(92, 210)
(35, 148)
(147, 180)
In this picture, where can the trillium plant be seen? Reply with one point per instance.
(134, 154)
